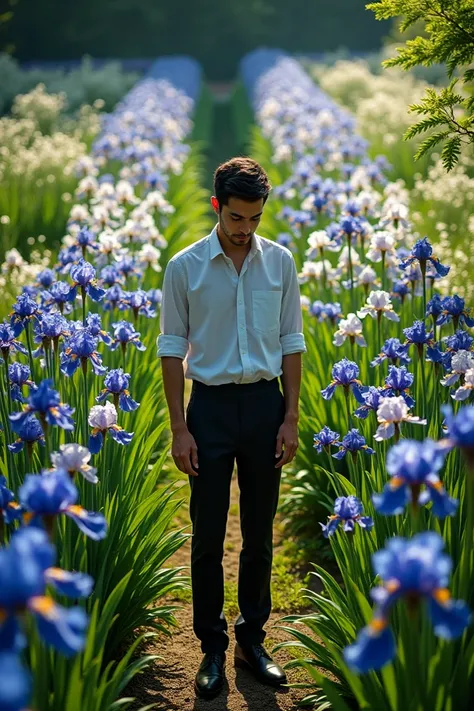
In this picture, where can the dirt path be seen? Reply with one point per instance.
(169, 683)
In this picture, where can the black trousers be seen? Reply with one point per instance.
(233, 423)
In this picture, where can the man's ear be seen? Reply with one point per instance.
(215, 204)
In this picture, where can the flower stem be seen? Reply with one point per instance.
(30, 353)
(86, 402)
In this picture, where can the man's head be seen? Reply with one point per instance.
(241, 189)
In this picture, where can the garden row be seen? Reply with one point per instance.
(384, 429)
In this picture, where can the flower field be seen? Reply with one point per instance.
(384, 474)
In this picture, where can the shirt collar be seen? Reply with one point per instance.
(216, 247)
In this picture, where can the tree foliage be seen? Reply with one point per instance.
(448, 38)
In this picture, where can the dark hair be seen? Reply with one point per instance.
(242, 178)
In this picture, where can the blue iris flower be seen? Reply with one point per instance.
(49, 328)
(434, 307)
(47, 403)
(350, 227)
(348, 511)
(114, 298)
(398, 382)
(9, 508)
(9, 342)
(400, 289)
(17, 683)
(83, 275)
(316, 309)
(139, 303)
(128, 267)
(58, 294)
(85, 238)
(155, 296)
(352, 443)
(125, 334)
(109, 276)
(26, 568)
(332, 312)
(459, 429)
(45, 496)
(344, 373)
(392, 350)
(413, 465)
(19, 375)
(423, 253)
(325, 439)
(454, 309)
(46, 277)
(80, 348)
(418, 335)
(116, 384)
(25, 309)
(416, 569)
(94, 326)
(371, 399)
(29, 431)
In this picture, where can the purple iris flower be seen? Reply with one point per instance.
(25, 309)
(128, 267)
(371, 401)
(344, 373)
(83, 275)
(459, 341)
(9, 509)
(317, 310)
(116, 384)
(418, 335)
(454, 309)
(57, 295)
(9, 342)
(45, 496)
(19, 375)
(94, 326)
(352, 443)
(325, 439)
(350, 227)
(26, 568)
(124, 334)
(114, 298)
(29, 431)
(348, 510)
(413, 465)
(80, 348)
(459, 430)
(434, 307)
(46, 277)
(392, 350)
(46, 402)
(49, 328)
(423, 253)
(139, 303)
(333, 312)
(86, 238)
(400, 289)
(67, 257)
(398, 382)
(416, 569)
(110, 276)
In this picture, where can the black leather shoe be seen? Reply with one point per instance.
(210, 676)
(260, 662)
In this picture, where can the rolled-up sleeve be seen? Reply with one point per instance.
(291, 320)
(173, 339)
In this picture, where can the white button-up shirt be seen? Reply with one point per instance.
(230, 327)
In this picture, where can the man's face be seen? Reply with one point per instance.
(239, 219)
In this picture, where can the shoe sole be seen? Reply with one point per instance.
(242, 664)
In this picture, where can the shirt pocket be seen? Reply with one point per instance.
(266, 307)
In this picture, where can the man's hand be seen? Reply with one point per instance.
(287, 438)
(184, 451)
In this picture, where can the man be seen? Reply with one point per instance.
(231, 308)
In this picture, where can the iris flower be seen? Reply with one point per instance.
(74, 458)
(392, 411)
(49, 328)
(83, 275)
(46, 402)
(398, 382)
(422, 252)
(17, 683)
(139, 303)
(345, 374)
(45, 496)
(26, 568)
(463, 392)
(413, 465)
(19, 375)
(454, 309)
(80, 348)
(116, 384)
(57, 294)
(414, 569)
(325, 439)
(377, 305)
(459, 430)
(347, 510)
(394, 351)
(25, 309)
(461, 362)
(9, 508)
(371, 401)
(103, 420)
(124, 334)
(351, 328)
(352, 443)
(29, 431)
(9, 342)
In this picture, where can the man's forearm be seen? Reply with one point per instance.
(173, 382)
(291, 380)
